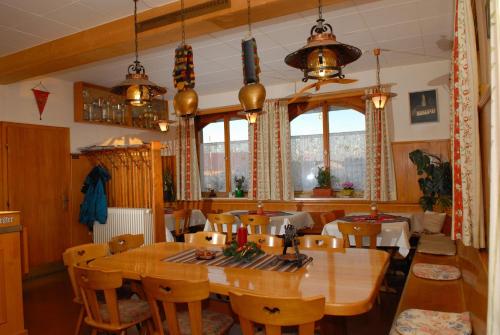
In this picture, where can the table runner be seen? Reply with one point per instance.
(265, 262)
(381, 218)
(266, 213)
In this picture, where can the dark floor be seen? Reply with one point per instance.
(49, 309)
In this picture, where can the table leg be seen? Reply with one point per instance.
(333, 325)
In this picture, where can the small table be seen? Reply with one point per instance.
(277, 220)
(349, 279)
(395, 232)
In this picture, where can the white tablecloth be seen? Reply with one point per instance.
(393, 234)
(299, 219)
(197, 219)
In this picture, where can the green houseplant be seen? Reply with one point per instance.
(435, 180)
(324, 181)
(239, 181)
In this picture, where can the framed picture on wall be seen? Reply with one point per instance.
(423, 106)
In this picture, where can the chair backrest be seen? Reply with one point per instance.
(169, 292)
(205, 237)
(125, 242)
(81, 255)
(254, 221)
(90, 282)
(360, 230)
(331, 216)
(218, 221)
(320, 241)
(181, 217)
(266, 240)
(275, 313)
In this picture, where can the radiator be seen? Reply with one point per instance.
(125, 221)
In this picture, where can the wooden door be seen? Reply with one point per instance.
(37, 167)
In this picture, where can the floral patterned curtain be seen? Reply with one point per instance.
(467, 216)
(188, 175)
(270, 155)
(380, 180)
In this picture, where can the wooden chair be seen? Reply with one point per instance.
(79, 256)
(325, 218)
(320, 241)
(114, 315)
(360, 230)
(218, 221)
(254, 221)
(275, 313)
(266, 240)
(169, 292)
(181, 217)
(205, 237)
(125, 242)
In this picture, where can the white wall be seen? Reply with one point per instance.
(17, 104)
(406, 79)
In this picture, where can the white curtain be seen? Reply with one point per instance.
(380, 180)
(188, 174)
(467, 215)
(494, 236)
(270, 154)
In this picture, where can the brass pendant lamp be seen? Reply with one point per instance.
(137, 89)
(186, 98)
(253, 94)
(323, 57)
(378, 97)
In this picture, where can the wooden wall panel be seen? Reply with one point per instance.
(408, 190)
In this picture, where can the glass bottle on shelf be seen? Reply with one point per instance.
(97, 110)
(86, 105)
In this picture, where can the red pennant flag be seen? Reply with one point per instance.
(41, 99)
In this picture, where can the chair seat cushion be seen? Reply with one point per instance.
(131, 310)
(436, 271)
(423, 322)
(213, 323)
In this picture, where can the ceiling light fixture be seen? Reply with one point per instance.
(253, 94)
(322, 57)
(186, 98)
(137, 89)
(378, 97)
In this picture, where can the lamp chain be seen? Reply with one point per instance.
(183, 24)
(249, 18)
(378, 71)
(320, 9)
(135, 33)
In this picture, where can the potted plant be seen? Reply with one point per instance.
(168, 187)
(347, 189)
(324, 180)
(435, 181)
(239, 181)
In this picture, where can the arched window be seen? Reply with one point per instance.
(328, 136)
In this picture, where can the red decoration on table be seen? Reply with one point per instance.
(373, 210)
(242, 236)
(260, 209)
(40, 97)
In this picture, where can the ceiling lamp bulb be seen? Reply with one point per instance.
(379, 100)
(164, 125)
(252, 117)
(323, 57)
(137, 95)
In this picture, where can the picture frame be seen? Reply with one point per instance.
(423, 106)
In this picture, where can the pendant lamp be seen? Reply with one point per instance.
(378, 97)
(137, 89)
(186, 98)
(323, 56)
(253, 94)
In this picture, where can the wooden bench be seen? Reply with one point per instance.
(469, 293)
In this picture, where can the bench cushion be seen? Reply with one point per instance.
(437, 245)
(436, 271)
(423, 322)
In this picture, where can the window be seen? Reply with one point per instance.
(221, 138)
(342, 148)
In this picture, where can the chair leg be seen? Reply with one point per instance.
(80, 321)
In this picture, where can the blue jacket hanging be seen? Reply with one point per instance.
(95, 206)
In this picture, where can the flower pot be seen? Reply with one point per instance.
(239, 193)
(346, 192)
(322, 192)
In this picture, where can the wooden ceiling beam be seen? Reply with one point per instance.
(116, 38)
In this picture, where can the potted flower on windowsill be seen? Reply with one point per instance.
(347, 189)
(324, 180)
(239, 181)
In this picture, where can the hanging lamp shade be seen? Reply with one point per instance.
(323, 56)
(378, 96)
(137, 89)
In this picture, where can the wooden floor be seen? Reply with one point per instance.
(49, 310)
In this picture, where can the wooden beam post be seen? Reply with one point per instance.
(157, 189)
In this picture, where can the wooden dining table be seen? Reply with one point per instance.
(348, 278)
